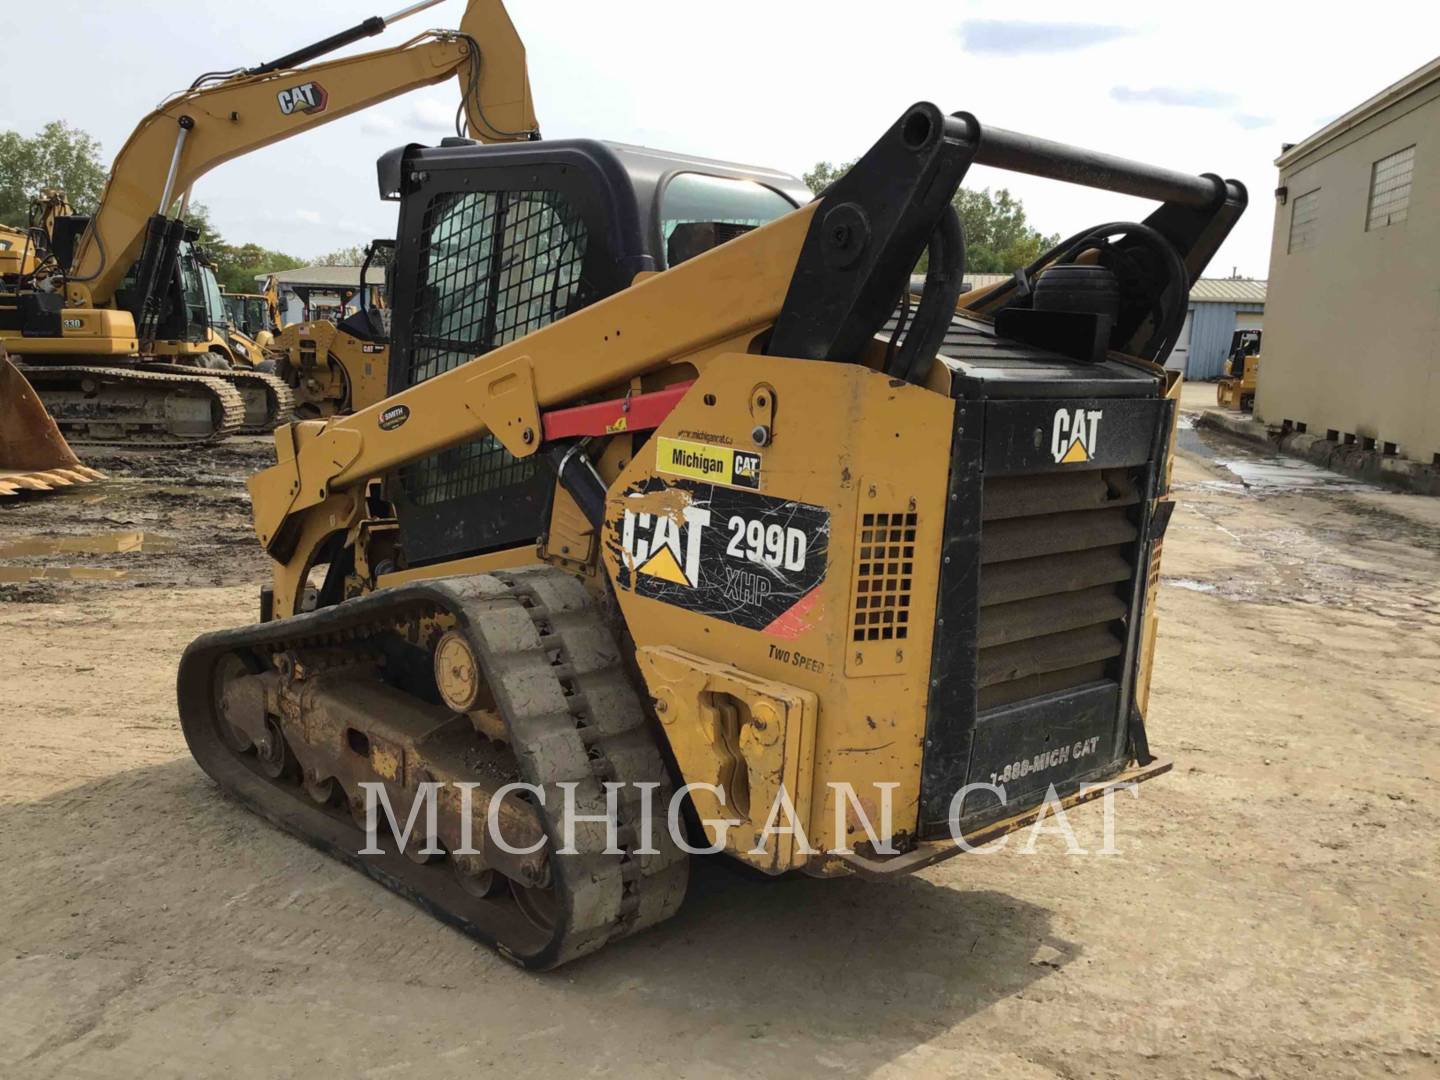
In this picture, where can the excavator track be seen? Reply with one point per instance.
(269, 401)
(561, 708)
(119, 406)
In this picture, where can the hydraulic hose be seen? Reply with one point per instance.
(1169, 319)
(944, 280)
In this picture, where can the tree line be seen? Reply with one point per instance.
(63, 157)
(998, 237)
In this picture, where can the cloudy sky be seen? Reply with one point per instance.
(775, 83)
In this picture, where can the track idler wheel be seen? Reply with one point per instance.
(276, 759)
(324, 792)
(476, 878)
(228, 668)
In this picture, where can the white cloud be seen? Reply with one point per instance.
(433, 117)
(1008, 37)
(376, 123)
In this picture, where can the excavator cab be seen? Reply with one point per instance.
(370, 321)
(498, 241)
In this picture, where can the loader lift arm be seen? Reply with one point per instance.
(213, 122)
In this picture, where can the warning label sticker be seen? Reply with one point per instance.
(715, 464)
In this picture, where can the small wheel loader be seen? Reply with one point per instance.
(1236, 388)
(687, 526)
(335, 367)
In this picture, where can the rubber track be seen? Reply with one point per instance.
(231, 403)
(558, 680)
(279, 398)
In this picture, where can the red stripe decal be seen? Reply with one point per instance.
(638, 412)
(797, 618)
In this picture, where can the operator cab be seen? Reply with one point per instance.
(493, 243)
(370, 321)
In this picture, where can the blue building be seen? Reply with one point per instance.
(1218, 307)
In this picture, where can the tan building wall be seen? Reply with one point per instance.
(1352, 320)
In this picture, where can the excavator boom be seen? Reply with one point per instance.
(210, 124)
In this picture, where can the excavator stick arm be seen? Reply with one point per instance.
(194, 132)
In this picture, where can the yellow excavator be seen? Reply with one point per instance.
(116, 331)
(194, 327)
(686, 527)
(34, 456)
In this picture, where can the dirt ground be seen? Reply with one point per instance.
(1272, 910)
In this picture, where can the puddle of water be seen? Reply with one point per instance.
(117, 543)
(1262, 472)
(1286, 474)
(59, 573)
(1189, 583)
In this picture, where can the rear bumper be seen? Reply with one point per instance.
(929, 852)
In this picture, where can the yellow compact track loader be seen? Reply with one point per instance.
(251, 317)
(683, 512)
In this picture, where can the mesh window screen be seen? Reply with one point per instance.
(494, 266)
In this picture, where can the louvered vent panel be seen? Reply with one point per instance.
(1057, 563)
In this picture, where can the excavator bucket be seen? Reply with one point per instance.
(34, 456)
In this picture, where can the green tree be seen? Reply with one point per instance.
(346, 256)
(57, 156)
(197, 216)
(824, 174)
(998, 238)
(237, 267)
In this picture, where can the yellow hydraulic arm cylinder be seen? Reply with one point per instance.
(195, 131)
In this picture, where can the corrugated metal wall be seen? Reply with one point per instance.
(1211, 328)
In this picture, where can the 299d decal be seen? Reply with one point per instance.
(740, 556)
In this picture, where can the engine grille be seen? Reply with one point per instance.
(1057, 555)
